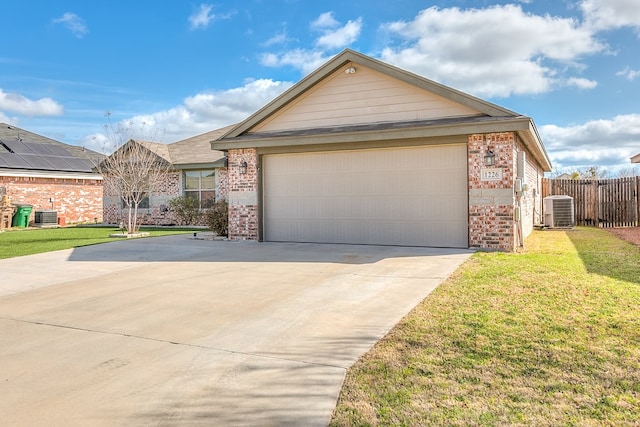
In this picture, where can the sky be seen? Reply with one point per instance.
(168, 70)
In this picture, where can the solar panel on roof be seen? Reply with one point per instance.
(14, 161)
(80, 165)
(60, 163)
(35, 161)
(18, 147)
(57, 150)
(39, 149)
(41, 156)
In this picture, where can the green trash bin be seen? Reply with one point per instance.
(21, 216)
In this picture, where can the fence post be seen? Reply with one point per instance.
(637, 200)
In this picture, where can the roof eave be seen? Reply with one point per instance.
(522, 125)
(49, 174)
(220, 163)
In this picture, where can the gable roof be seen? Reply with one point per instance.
(191, 153)
(636, 158)
(488, 117)
(196, 151)
(28, 151)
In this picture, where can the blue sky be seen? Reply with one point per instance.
(177, 68)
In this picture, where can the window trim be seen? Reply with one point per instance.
(200, 188)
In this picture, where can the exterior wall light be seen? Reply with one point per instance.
(350, 70)
(489, 158)
(243, 167)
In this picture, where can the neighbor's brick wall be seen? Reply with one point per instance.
(491, 203)
(76, 200)
(243, 195)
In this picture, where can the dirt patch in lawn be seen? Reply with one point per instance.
(630, 234)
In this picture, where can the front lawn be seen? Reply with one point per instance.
(547, 337)
(33, 241)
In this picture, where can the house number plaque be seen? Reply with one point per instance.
(491, 174)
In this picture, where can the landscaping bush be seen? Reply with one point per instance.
(186, 210)
(217, 218)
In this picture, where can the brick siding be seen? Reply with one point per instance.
(76, 200)
(158, 212)
(491, 203)
(243, 195)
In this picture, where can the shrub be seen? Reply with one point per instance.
(217, 218)
(186, 210)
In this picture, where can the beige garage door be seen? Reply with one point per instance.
(414, 196)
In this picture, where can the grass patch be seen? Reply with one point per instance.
(34, 241)
(547, 337)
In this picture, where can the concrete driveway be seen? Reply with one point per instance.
(178, 331)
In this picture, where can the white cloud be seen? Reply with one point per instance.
(609, 14)
(22, 105)
(278, 38)
(341, 37)
(333, 36)
(606, 142)
(629, 74)
(203, 16)
(302, 59)
(97, 142)
(6, 119)
(74, 23)
(497, 51)
(325, 20)
(202, 112)
(581, 83)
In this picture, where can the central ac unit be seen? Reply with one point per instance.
(558, 211)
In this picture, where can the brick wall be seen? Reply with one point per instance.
(222, 182)
(530, 200)
(158, 212)
(77, 200)
(243, 195)
(491, 203)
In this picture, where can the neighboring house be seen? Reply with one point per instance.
(636, 158)
(361, 152)
(50, 176)
(196, 171)
(563, 176)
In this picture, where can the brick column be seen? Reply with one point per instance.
(491, 201)
(243, 195)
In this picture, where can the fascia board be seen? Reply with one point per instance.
(45, 174)
(509, 125)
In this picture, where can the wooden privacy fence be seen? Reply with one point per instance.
(600, 202)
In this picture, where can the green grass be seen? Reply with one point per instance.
(33, 241)
(548, 337)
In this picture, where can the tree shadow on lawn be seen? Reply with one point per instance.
(607, 255)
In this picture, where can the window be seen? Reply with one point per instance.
(144, 202)
(201, 185)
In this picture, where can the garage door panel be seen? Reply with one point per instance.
(402, 196)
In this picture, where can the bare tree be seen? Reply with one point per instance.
(135, 170)
(629, 172)
(593, 172)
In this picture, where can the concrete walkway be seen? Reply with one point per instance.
(177, 331)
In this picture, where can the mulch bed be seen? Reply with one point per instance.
(630, 234)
